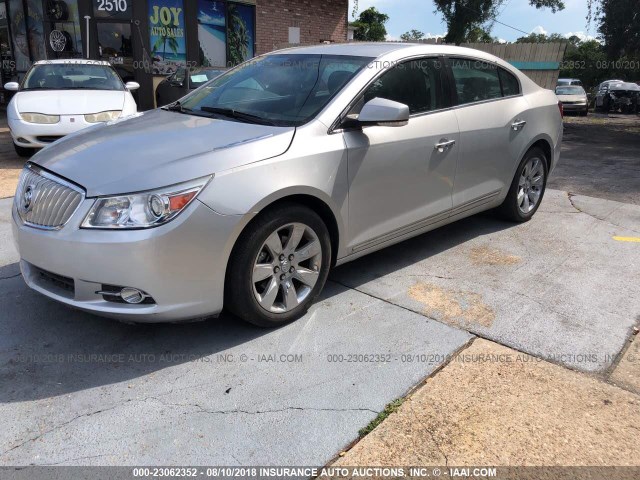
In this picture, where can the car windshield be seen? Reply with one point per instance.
(284, 90)
(200, 77)
(570, 91)
(72, 76)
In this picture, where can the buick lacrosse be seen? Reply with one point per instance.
(244, 193)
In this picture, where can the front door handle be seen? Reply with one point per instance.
(518, 125)
(444, 145)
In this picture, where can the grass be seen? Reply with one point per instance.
(388, 410)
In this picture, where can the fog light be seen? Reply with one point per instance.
(132, 295)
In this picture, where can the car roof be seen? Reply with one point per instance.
(379, 49)
(72, 61)
(357, 49)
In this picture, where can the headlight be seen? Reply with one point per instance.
(143, 210)
(103, 116)
(40, 118)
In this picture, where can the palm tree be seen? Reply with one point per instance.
(239, 38)
(162, 41)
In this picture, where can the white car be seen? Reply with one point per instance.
(60, 97)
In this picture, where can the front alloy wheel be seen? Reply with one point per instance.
(287, 268)
(278, 266)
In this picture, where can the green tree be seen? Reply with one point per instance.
(543, 38)
(412, 36)
(619, 25)
(370, 26)
(464, 15)
(585, 60)
(477, 34)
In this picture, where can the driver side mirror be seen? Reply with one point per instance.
(131, 86)
(12, 86)
(383, 113)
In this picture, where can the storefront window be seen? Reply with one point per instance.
(240, 32)
(5, 47)
(212, 33)
(35, 28)
(114, 46)
(19, 38)
(63, 29)
(167, 35)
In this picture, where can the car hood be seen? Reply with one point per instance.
(159, 148)
(69, 102)
(572, 98)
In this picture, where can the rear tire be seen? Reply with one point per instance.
(24, 152)
(279, 266)
(527, 188)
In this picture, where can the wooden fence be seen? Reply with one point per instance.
(539, 61)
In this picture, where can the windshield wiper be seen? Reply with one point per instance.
(177, 107)
(231, 113)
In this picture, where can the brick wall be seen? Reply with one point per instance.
(319, 20)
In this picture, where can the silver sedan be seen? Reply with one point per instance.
(246, 192)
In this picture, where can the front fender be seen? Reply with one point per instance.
(315, 166)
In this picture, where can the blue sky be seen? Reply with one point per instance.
(408, 14)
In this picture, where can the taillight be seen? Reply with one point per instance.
(560, 107)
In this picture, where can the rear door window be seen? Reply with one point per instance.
(475, 80)
(510, 84)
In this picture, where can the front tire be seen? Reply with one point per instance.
(24, 152)
(527, 188)
(279, 266)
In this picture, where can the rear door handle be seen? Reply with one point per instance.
(444, 145)
(518, 125)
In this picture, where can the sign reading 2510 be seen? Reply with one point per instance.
(120, 9)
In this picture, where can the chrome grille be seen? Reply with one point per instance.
(44, 200)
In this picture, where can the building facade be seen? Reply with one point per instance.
(147, 40)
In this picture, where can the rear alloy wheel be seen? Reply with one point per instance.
(527, 188)
(279, 268)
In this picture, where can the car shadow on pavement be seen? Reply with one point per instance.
(409, 252)
(48, 349)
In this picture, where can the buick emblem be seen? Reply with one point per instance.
(27, 198)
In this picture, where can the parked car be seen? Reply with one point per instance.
(569, 81)
(183, 81)
(600, 92)
(615, 95)
(573, 98)
(246, 192)
(59, 97)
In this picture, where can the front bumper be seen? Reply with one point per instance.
(181, 264)
(35, 135)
